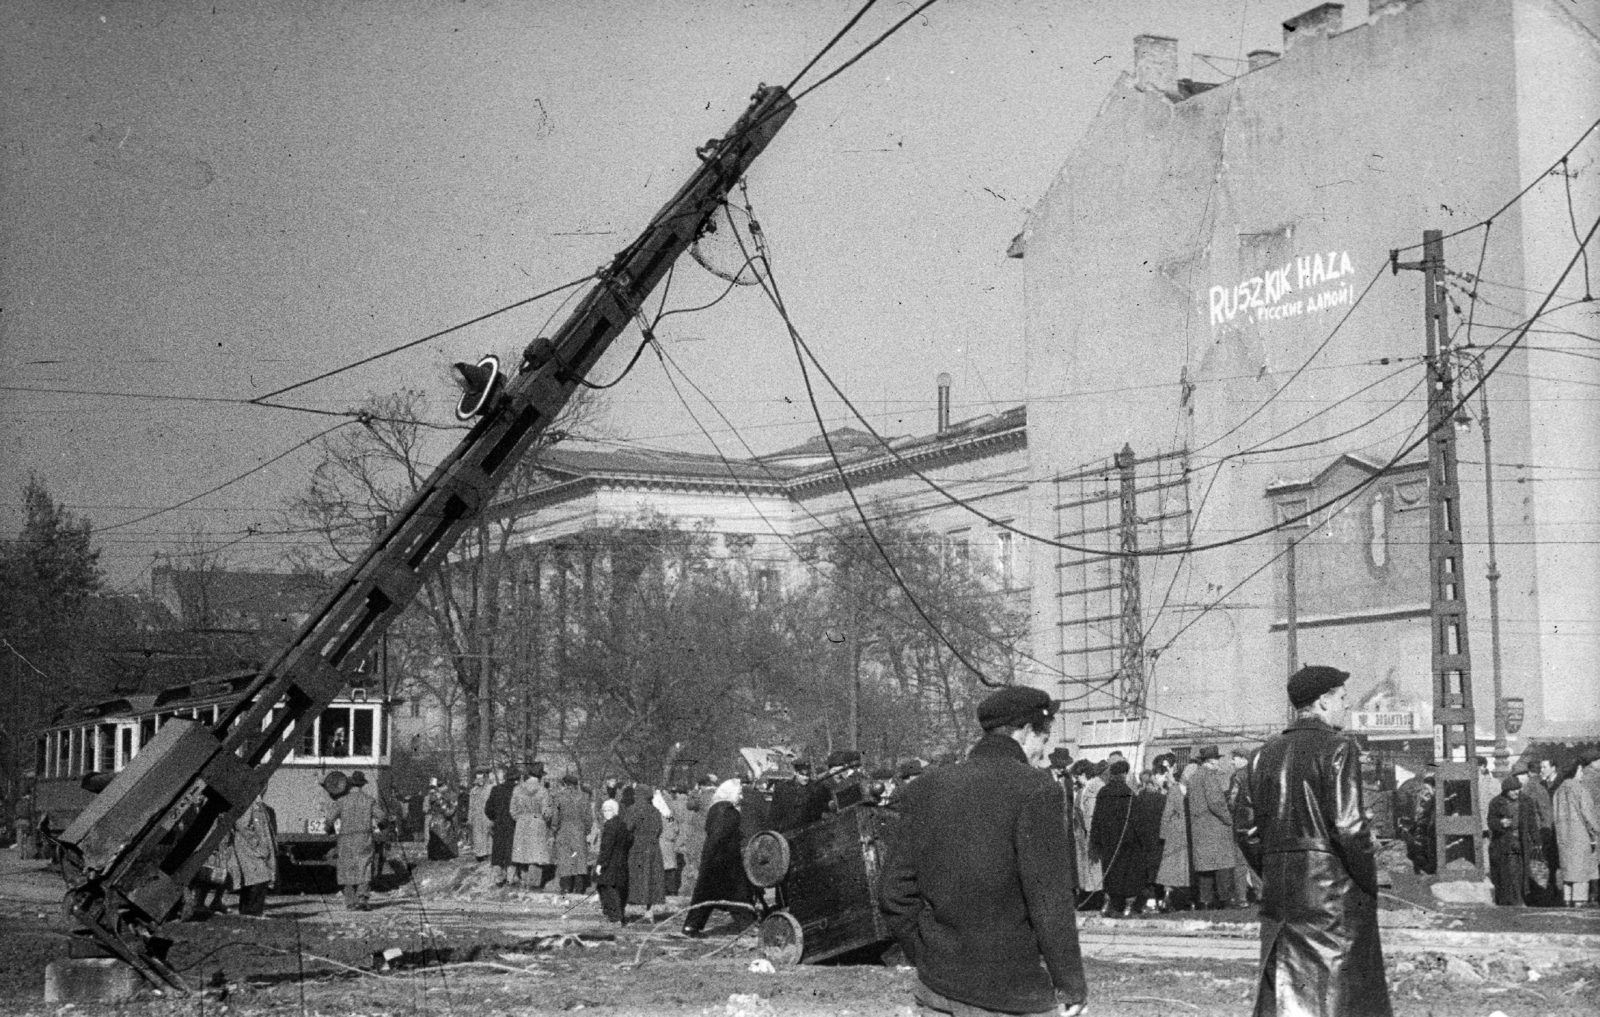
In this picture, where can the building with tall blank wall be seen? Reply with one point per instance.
(1217, 343)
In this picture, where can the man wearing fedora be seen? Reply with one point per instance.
(1303, 826)
(976, 887)
(356, 816)
(1211, 833)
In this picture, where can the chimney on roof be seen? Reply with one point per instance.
(1319, 22)
(1155, 63)
(1260, 58)
(944, 402)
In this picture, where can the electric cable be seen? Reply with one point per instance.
(1561, 162)
(360, 416)
(427, 338)
(867, 49)
(824, 51)
(229, 482)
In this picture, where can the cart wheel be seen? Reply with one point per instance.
(766, 858)
(781, 939)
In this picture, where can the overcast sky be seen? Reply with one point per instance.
(219, 199)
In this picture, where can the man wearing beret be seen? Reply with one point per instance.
(976, 887)
(1302, 825)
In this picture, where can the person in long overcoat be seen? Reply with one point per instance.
(611, 862)
(1303, 827)
(1173, 873)
(647, 877)
(1086, 863)
(1505, 844)
(1536, 816)
(533, 850)
(255, 844)
(1115, 839)
(478, 816)
(1577, 823)
(357, 815)
(670, 834)
(1148, 804)
(721, 874)
(503, 825)
(570, 830)
(1211, 833)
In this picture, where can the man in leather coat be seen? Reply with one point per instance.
(1302, 826)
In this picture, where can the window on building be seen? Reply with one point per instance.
(1005, 562)
(767, 585)
(958, 546)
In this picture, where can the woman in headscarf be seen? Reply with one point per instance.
(1505, 844)
(611, 862)
(647, 877)
(721, 863)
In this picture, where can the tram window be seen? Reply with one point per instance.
(127, 745)
(147, 730)
(362, 734)
(383, 731)
(106, 756)
(63, 753)
(86, 761)
(308, 738)
(334, 739)
(75, 753)
(41, 757)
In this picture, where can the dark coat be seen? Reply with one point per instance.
(1307, 836)
(647, 875)
(1148, 806)
(1536, 814)
(721, 860)
(975, 887)
(503, 832)
(612, 859)
(1116, 840)
(1505, 850)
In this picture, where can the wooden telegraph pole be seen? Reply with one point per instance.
(1456, 799)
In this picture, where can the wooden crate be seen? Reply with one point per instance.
(831, 888)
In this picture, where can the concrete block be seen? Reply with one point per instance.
(1461, 891)
(90, 980)
(1459, 971)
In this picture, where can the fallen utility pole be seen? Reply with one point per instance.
(129, 856)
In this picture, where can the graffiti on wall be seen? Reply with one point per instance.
(1309, 284)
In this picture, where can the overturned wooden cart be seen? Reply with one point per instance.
(826, 877)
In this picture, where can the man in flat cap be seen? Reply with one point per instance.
(1303, 826)
(1211, 833)
(976, 886)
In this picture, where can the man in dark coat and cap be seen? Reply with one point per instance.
(975, 887)
(1303, 827)
(502, 825)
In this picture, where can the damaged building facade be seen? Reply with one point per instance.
(1217, 344)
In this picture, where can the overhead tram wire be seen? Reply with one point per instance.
(358, 416)
(229, 482)
(831, 42)
(1497, 213)
(427, 338)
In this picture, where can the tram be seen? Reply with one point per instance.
(90, 744)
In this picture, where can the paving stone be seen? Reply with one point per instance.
(89, 980)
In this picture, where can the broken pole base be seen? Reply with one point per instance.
(90, 980)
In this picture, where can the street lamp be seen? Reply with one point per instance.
(1463, 419)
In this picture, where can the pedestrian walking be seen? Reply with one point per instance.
(356, 815)
(1211, 833)
(721, 874)
(1505, 844)
(1148, 805)
(611, 862)
(1308, 837)
(647, 877)
(670, 832)
(255, 845)
(1577, 826)
(478, 815)
(503, 825)
(570, 824)
(975, 886)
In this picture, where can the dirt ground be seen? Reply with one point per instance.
(484, 952)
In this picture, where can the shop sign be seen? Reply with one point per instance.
(1309, 284)
(1401, 721)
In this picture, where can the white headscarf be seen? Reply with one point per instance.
(729, 791)
(609, 808)
(660, 802)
